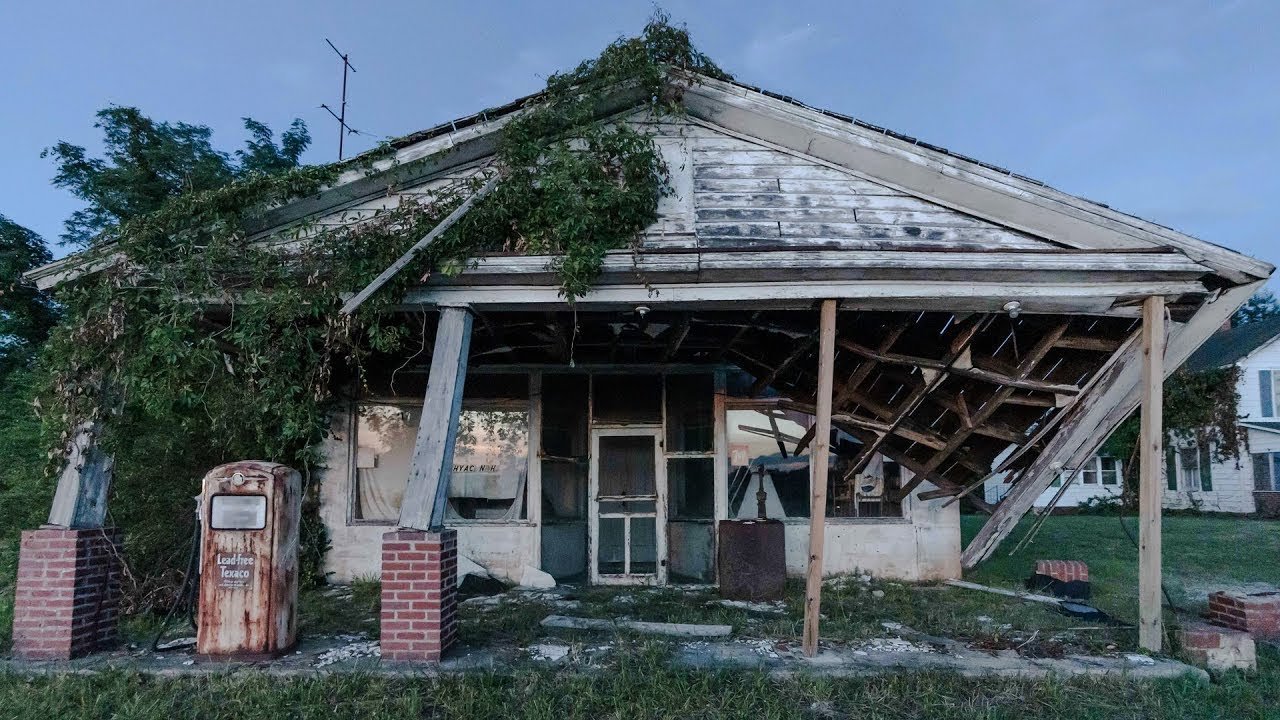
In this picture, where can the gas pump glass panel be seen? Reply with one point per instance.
(238, 512)
(628, 507)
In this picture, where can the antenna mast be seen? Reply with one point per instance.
(341, 115)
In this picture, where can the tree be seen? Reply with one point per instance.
(26, 314)
(147, 163)
(1261, 306)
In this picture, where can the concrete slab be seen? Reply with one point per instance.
(564, 622)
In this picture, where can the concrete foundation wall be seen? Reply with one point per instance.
(924, 545)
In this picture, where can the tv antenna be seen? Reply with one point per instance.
(341, 116)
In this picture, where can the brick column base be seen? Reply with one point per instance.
(66, 603)
(1257, 614)
(419, 595)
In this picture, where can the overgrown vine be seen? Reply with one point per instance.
(206, 343)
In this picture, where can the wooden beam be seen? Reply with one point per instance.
(678, 333)
(1150, 625)
(1095, 343)
(979, 418)
(80, 500)
(992, 376)
(819, 460)
(358, 299)
(959, 348)
(432, 464)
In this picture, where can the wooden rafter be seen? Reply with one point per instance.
(863, 371)
(801, 349)
(984, 373)
(959, 347)
(1025, 367)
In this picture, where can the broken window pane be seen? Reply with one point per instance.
(691, 483)
(763, 458)
(627, 398)
(490, 465)
(690, 413)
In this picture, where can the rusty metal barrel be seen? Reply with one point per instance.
(752, 559)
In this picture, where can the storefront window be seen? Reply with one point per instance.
(490, 460)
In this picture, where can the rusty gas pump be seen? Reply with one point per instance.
(248, 561)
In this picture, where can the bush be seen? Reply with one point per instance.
(25, 492)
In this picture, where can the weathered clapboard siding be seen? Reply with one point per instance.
(749, 196)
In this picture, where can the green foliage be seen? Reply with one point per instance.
(24, 496)
(1201, 406)
(1261, 306)
(209, 344)
(25, 313)
(148, 163)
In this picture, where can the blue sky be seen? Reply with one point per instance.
(1168, 110)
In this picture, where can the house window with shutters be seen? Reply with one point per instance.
(1266, 471)
(1189, 467)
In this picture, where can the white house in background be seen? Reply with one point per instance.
(1101, 477)
(1248, 484)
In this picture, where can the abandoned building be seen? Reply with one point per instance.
(831, 324)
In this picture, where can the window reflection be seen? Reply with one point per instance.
(489, 470)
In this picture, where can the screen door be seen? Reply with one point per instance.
(628, 516)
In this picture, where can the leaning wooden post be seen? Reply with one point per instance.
(432, 463)
(1150, 630)
(818, 498)
(420, 560)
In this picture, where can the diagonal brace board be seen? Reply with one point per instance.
(432, 462)
(1109, 402)
(392, 270)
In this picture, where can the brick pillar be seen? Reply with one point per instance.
(419, 595)
(1257, 614)
(67, 598)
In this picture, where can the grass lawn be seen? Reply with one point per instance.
(1199, 552)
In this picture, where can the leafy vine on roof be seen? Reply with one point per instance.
(230, 342)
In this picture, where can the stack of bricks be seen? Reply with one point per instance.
(419, 595)
(1218, 648)
(1258, 614)
(1063, 570)
(66, 602)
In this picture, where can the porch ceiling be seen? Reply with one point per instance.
(946, 395)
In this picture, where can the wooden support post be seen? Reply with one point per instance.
(427, 491)
(818, 496)
(80, 500)
(1150, 626)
